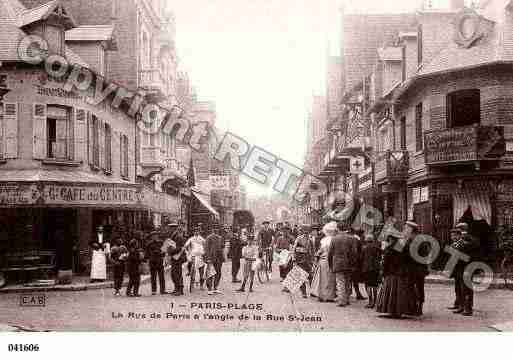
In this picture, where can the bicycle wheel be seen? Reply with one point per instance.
(263, 273)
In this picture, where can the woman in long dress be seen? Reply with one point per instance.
(323, 283)
(396, 296)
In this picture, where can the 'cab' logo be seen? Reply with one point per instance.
(32, 300)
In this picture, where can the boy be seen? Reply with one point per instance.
(250, 255)
(118, 255)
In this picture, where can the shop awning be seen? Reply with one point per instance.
(204, 201)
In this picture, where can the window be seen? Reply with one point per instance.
(463, 108)
(108, 148)
(59, 133)
(419, 45)
(403, 133)
(1, 130)
(124, 156)
(419, 143)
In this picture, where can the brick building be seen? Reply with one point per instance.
(427, 104)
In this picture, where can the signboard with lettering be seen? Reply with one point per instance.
(220, 182)
(296, 277)
(12, 194)
(464, 144)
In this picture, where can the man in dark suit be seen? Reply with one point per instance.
(235, 253)
(341, 259)
(265, 240)
(177, 255)
(469, 245)
(156, 258)
(214, 256)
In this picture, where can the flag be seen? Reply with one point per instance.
(191, 182)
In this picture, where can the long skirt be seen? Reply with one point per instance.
(396, 297)
(324, 283)
(99, 265)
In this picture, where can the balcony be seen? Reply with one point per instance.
(151, 161)
(464, 145)
(333, 161)
(174, 173)
(391, 166)
(153, 84)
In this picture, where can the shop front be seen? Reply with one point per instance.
(48, 226)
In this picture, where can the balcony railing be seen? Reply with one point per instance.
(391, 166)
(151, 156)
(464, 144)
(176, 168)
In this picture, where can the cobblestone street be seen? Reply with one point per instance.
(100, 310)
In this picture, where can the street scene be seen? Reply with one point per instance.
(291, 166)
(99, 310)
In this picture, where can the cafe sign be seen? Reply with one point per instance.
(13, 194)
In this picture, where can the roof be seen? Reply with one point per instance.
(11, 34)
(93, 33)
(494, 47)
(42, 12)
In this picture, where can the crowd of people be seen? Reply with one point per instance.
(338, 260)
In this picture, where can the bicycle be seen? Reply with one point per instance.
(264, 270)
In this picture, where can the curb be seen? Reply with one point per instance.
(75, 287)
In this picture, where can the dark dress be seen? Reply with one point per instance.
(396, 296)
(371, 264)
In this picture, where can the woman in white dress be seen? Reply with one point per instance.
(323, 284)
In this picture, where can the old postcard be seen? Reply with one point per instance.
(289, 166)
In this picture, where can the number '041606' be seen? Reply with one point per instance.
(23, 347)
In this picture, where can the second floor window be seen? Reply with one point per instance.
(463, 108)
(59, 133)
(419, 132)
(95, 143)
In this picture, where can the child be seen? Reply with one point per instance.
(135, 257)
(507, 265)
(250, 254)
(118, 255)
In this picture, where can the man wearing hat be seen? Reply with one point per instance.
(265, 240)
(156, 258)
(419, 271)
(469, 245)
(214, 255)
(178, 258)
(235, 253)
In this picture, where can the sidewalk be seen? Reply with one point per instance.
(80, 283)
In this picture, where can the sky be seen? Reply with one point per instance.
(261, 61)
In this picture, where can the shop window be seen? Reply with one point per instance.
(124, 156)
(419, 143)
(463, 108)
(403, 133)
(108, 148)
(59, 133)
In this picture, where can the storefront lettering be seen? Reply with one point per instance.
(56, 92)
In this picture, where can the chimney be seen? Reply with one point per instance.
(457, 4)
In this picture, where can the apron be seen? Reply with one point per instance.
(99, 265)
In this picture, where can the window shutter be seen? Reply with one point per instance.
(90, 140)
(11, 130)
(1, 131)
(80, 135)
(101, 140)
